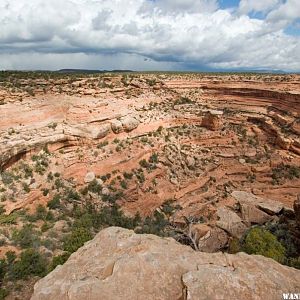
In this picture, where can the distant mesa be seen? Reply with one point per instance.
(91, 71)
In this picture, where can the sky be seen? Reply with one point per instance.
(167, 35)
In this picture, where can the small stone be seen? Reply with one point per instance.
(89, 177)
(105, 191)
(116, 126)
(100, 181)
(190, 161)
(174, 180)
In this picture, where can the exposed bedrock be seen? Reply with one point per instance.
(17, 148)
(119, 264)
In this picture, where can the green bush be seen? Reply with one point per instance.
(94, 187)
(156, 224)
(153, 158)
(286, 238)
(3, 266)
(76, 239)
(263, 242)
(40, 212)
(30, 263)
(2, 209)
(8, 219)
(26, 237)
(3, 294)
(55, 202)
(59, 260)
(72, 195)
(293, 262)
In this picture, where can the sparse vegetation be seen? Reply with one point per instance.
(171, 153)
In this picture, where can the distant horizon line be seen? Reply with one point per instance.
(80, 70)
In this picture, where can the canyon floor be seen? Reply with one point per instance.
(191, 147)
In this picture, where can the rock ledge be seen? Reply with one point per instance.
(119, 264)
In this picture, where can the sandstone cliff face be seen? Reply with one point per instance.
(119, 264)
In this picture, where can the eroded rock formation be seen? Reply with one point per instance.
(221, 151)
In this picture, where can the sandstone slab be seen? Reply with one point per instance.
(214, 240)
(230, 222)
(253, 215)
(269, 206)
(119, 264)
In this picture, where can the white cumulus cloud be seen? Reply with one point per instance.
(144, 34)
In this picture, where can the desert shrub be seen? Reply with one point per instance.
(113, 197)
(76, 239)
(153, 158)
(2, 209)
(26, 187)
(28, 172)
(10, 257)
(285, 172)
(293, 262)
(92, 218)
(94, 187)
(7, 264)
(50, 176)
(40, 212)
(8, 219)
(30, 263)
(123, 184)
(3, 267)
(155, 224)
(45, 192)
(7, 178)
(144, 164)
(3, 293)
(84, 221)
(284, 236)
(127, 175)
(168, 207)
(113, 216)
(58, 183)
(58, 260)
(46, 226)
(102, 144)
(261, 241)
(26, 237)
(72, 195)
(55, 202)
(140, 176)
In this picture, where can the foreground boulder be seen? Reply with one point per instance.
(119, 264)
(230, 222)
